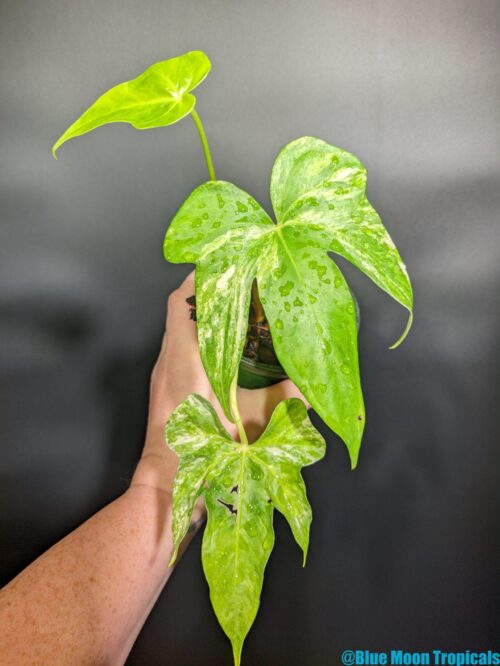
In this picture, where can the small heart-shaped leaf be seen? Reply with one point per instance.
(159, 96)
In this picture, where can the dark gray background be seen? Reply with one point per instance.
(403, 550)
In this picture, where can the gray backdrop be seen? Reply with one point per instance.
(402, 550)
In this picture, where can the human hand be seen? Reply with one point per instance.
(179, 372)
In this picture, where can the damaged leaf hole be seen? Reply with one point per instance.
(229, 507)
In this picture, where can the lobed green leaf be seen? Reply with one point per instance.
(323, 187)
(159, 96)
(318, 195)
(241, 486)
(223, 230)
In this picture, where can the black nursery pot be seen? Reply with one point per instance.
(255, 374)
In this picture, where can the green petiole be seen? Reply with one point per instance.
(233, 402)
(204, 143)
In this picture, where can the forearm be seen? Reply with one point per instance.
(85, 600)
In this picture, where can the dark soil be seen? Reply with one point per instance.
(259, 343)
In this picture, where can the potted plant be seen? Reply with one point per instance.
(267, 288)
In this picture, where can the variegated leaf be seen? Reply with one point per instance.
(312, 318)
(223, 230)
(159, 96)
(323, 187)
(318, 193)
(241, 486)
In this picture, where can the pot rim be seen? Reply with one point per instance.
(263, 369)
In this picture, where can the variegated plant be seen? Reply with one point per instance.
(318, 196)
(320, 206)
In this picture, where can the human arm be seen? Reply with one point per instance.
(85, 600)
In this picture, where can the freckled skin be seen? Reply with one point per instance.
(85, 600)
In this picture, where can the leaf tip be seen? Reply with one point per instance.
(173, 558)
(354, 456)
(353, 443)
(62, 139)
(405, 332)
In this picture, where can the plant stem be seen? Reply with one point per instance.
(204, 143)
(233, 403)
(258, 310)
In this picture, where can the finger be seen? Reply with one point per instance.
(177, 305)
(179, 348)
(179, 321)
(287, 389)
(283, 391)
(178, 370)
(186, 288)
(257, 405)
